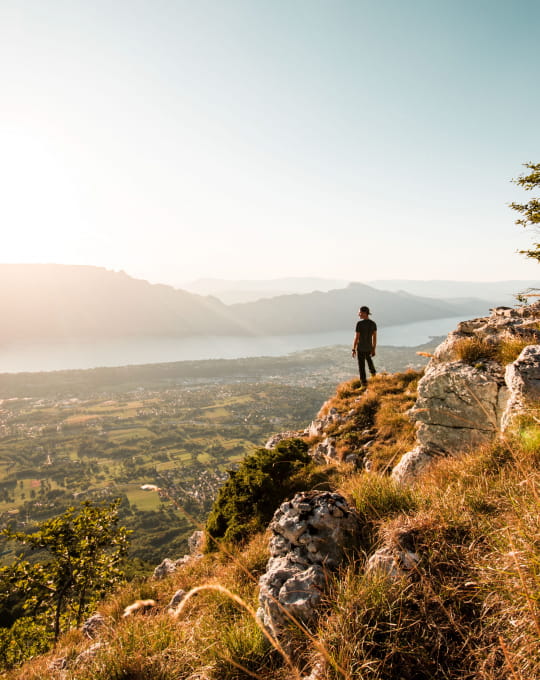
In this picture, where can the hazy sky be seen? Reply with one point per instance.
(352, 139)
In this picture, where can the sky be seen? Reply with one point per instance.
(256, 139)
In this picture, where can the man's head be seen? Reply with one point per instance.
(364, 312)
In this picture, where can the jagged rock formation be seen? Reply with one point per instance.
(281, 436)
(503, 322)
(168, 566)
(523, 380)
(320, 424)
(324, 451)
(461, 405)
(311, 535)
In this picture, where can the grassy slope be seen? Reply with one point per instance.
(470, 610)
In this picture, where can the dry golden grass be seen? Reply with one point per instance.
(469, 610)
(511, 347)
(476, 350)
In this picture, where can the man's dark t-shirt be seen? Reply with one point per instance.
(366, 328)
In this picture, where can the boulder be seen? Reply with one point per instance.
(458, 405)
(503, 322)
(412, 464)
(93, 626)
(522, 378)
(89, 653)
(176, 599)
(311, 534)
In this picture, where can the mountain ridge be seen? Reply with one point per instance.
(47, 301)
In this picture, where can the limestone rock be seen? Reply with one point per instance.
(276, 438)
(503, 322)
(458, 405)
(176, 599)
(89, 653)
(164, 569)
(311, 535)
(396, 557)
(393, 564)
(522, 378)
(325, 451)
(412, 464)
(196, 542)
(92, 626)
(319, 425)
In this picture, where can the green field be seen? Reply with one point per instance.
(54, 453)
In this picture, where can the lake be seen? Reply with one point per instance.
(53, 356)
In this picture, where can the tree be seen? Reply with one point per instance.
(530, 210)
(78, 561)
(248, 499)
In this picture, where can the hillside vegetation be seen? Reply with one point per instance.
(469, 609)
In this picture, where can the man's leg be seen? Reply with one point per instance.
(362, 367)
(370, 364)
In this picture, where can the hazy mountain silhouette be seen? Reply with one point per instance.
(337, 309)
(62, 301)
(48, 302)
(495, 292)
(246, 290)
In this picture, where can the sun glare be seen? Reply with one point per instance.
(39, 197)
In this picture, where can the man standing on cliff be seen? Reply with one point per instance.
(365, 342)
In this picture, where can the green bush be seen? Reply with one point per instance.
(248, 499)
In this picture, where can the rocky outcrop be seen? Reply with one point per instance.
(458, 405)
(461, 405)
(311, 534)
(324, 451)
(281, 436)
(523, 381)
(504, 322)
(175, 600)
(322, 422)
(168, 566)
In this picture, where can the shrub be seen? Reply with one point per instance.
(249, 498)
(474, 350)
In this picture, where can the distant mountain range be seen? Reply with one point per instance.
(245, 290)
(54, 302)
(493, 292)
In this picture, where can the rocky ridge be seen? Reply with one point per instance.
(463, 404)
(458, 406)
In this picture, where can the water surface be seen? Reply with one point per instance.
(52, 356)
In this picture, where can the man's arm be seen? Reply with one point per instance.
(355, 343)
(373, 343)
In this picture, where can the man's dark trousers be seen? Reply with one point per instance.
(362, 358)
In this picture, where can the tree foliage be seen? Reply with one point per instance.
(248, 499)
(530, 210)
(77, 560)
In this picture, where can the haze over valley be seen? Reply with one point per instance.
(54, 302)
